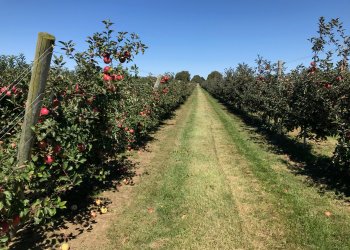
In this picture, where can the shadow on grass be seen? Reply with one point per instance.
(318, 169)
(147, 138)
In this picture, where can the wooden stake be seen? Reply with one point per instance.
(41, 67)
(156, 85)
(279, 67)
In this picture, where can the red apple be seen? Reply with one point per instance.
(42, 145)
(131, 131)
(164, 79)
(49, 159)
(339, 78)
(107, 60)
(127, 54)
(327, 85)
(55, 103)
(81, 147)
(57, 149)
(44, 111)
(107, 78)
(119, 77)
(4, 227)
(107, 70)
(313, 64)
(14, 89)
(16, 220)
(122, 59)
(114, 77)
(77, 89)
(3, 89)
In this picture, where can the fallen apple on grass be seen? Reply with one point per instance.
(65, 246)
(93, 214)
(103, 210)
(98, 202)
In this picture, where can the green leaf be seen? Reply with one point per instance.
(52, 211)
(3, 239)
(34, 158)
(8, 195)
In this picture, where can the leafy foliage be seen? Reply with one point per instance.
(183, 76)
(197, 79)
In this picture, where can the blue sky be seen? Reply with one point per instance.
(198, 36)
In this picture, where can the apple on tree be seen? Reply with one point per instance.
(49, 159)
(44, 111)
(107, 78)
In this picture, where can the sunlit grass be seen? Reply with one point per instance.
(213, 185)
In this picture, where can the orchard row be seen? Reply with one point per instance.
(313, 99)
(90, 115)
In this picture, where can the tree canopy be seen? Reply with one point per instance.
(215, 75)
(183, 76)
(197, 79)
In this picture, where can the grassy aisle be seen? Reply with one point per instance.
(301, 208)
(187, 202)
(210, 187)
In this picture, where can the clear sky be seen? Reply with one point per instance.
(198, 36)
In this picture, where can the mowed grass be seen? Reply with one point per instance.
(186, 203)
(210, 186)
(303, 208)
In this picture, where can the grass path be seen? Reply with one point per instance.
(210, 186)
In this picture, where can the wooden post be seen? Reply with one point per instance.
(279, 69)
(156, 85)
(40, 70)
(344, 64)
(279, 75)
(303, 134)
